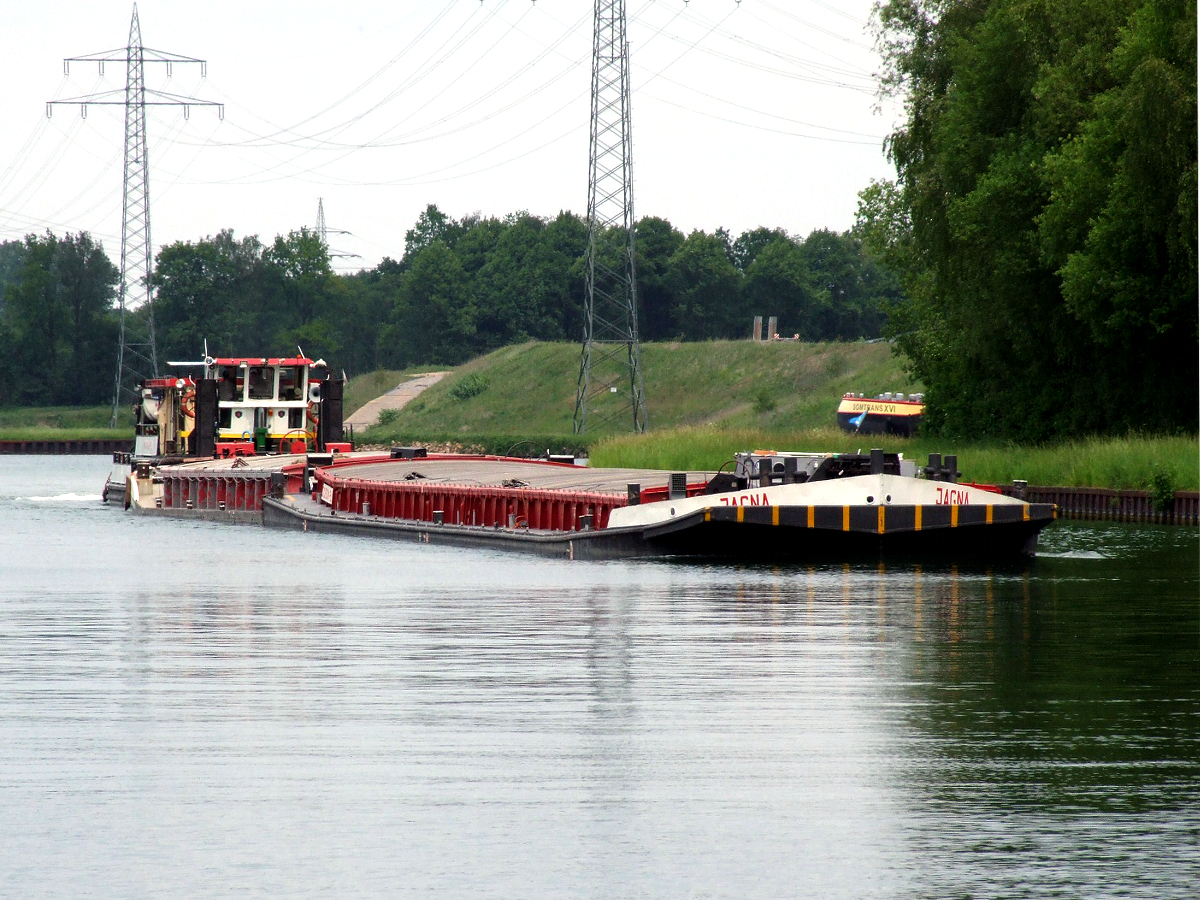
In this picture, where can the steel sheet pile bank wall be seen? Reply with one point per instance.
(1106, 504)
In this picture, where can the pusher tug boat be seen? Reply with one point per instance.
(239, 407)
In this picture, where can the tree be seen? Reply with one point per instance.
(434, 319)
(211, 293)
(778, 283)
(853, 289)
(299, 275)
(749, 244)
(431, 225)
(655, 242)
(1044, 214)
(56, 323)
(704, 286)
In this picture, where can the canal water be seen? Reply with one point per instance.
(195, 710)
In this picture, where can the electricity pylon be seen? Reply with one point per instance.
(610, 370)
(323, 232)
(137, 357)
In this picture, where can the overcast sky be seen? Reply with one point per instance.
(763, 112)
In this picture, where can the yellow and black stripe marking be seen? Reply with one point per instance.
(881, 519)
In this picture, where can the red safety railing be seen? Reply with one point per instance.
(488, 506)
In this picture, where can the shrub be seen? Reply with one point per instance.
(764, 402)
(469, 386)
(1162, 488)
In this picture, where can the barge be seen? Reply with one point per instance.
(772, 505)
(777, 506)
(260, 441)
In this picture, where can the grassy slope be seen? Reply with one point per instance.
(531, 387)
(64, 423)
(707, 400)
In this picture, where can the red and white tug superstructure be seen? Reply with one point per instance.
(268, 405)
(240, 406)
(235, 407)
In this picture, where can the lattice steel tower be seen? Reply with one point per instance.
(137, 357)
(324, 231)
(610, 370)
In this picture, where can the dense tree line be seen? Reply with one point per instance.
(462, 287)
(468, 286)
(58, 335)
(1044, 215)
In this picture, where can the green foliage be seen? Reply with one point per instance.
(212, 291)
(470, 385)
(1162, 488)
(704, 287)
(655, 243)
(1044, 220)
(58, 331)
(386, 417)
(764, 402)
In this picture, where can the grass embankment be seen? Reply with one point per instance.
(708, 400)
(527, 391)
(61, 423)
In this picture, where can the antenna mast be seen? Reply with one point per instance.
(137, 357)
(610, 373)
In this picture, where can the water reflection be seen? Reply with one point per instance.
(255, 712)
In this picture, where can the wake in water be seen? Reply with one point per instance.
(62, 498)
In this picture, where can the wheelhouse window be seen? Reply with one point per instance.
(291, 383)
(262, 383)
(229, 383)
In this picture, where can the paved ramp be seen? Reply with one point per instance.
(397, 398)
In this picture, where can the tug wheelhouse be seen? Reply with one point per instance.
(266, 405)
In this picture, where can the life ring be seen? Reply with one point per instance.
(188, 404)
